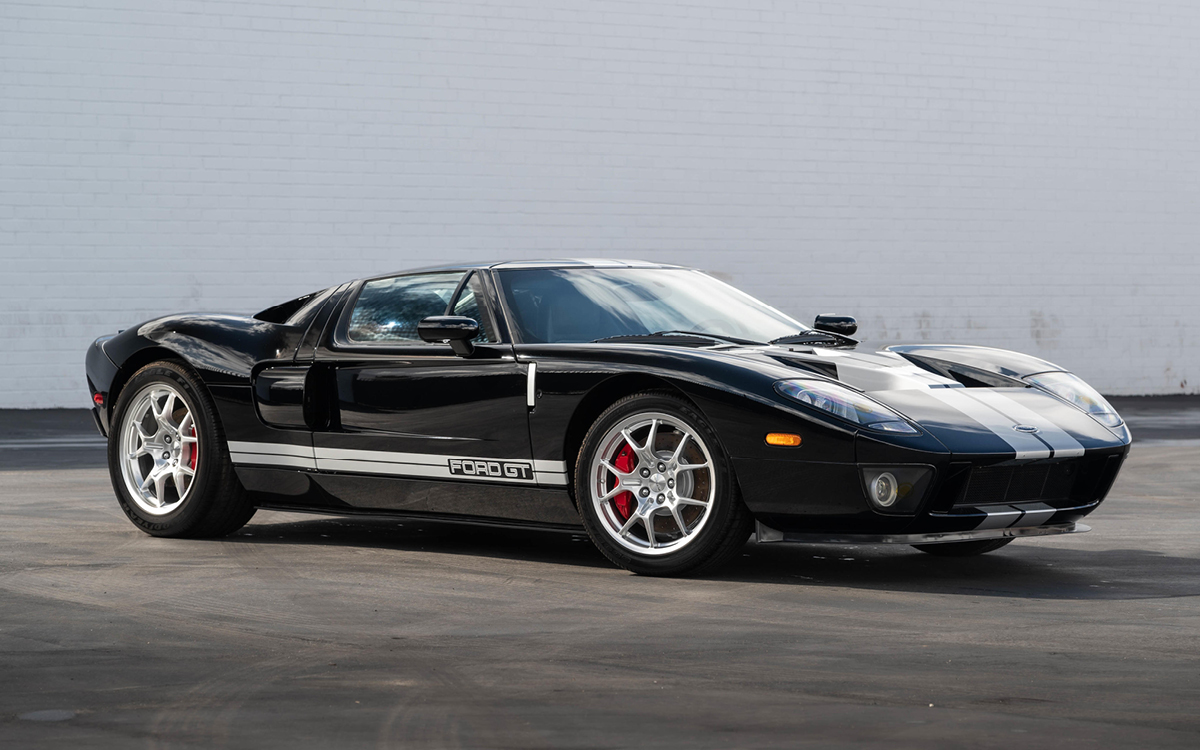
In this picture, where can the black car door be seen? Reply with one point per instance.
(409, 424)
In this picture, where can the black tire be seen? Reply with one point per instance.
(963, 549)
(215, 504)
(721, 535)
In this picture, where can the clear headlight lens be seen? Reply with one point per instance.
(850, 405)
(1077, 393)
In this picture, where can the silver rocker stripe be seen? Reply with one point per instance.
(422, 465)
(266, 459)
(428, 465)
(278, 449)
(1026, 446)
(426, 459)
(399, 470)
(1063, 444)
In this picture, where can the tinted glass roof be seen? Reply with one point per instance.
(550, 263)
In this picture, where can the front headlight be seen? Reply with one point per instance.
(1077, 393)
(850, 405)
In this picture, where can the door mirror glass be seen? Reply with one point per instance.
(841, 324)
(456, 329)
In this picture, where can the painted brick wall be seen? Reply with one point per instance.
(1019, 174)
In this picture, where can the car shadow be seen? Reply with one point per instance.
(443, 537)
(1026, 569)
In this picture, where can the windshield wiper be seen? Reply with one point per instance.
(820, 338)
(670, 334)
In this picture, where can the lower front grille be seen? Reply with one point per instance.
(1056, 483)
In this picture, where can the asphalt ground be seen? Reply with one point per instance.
(309, 631)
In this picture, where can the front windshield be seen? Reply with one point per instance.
(564, 305)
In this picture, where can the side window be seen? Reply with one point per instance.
(468, 306)
(389, 309)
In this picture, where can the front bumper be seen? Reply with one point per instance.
(975, 494)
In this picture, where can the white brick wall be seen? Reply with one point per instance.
(1020, 174)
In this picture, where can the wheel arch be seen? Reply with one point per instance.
(137, 361)
(604, 395)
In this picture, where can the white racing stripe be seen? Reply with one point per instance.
(1035, 514)
(1063, 445)
(1016, 516)
(1026, 446)
(1000, 519)
(391, 463)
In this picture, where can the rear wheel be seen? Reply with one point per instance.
(963, 549)
(656, 492)
(168, 460)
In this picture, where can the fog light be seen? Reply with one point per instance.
(896, 490)
(884, 490)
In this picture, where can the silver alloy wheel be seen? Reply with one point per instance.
(672, 482)
(159, 449)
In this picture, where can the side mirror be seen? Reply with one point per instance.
(453, 328)
(840, 324)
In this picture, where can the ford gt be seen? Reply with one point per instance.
(668, 414)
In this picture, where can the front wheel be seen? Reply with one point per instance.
(656, 491)
(963, 549)
(167, 457)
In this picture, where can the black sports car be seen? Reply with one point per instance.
(667, 412)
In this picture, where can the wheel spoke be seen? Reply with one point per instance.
(691, 467)
(633, 519)
(620, 475)
(168, 410)
(160, 487)
(154, 408)
(691, 501)
(648, 520)
(612, 493)
(181, 479)
(679, 520)
(651, 437)
(679, 448)
(638, 449)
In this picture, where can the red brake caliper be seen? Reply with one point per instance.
(625, 502)
(195, 450)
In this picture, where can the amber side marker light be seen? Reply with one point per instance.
(783, 438)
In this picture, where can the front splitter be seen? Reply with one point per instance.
(767, 534)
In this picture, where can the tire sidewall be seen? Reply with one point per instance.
(697, 552)
(192, 508)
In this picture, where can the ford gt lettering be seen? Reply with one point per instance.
(490, 469)
(664, 412)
